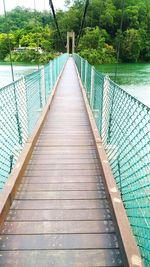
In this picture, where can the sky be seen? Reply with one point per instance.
(10, 4)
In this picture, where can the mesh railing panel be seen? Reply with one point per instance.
(34, 98)
(12, 125)
(124, 126)
(48, 80)
(88, 80)
(21, 104)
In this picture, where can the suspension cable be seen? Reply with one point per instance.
(56, 22)
(82, 21)
(14, 86)
(119, 40)
(100, 12)
(116, 69)
(8, 40)
(37, 38)
(91, 2)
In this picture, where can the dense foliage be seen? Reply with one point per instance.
(100, 37)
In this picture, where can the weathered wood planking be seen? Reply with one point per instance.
(61, 216)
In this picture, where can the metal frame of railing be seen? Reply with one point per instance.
(21, 104)
(124, 126)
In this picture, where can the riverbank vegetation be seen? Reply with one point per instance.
(100, 37)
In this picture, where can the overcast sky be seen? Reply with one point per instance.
(10, 4)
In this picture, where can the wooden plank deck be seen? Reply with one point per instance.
(61, 215)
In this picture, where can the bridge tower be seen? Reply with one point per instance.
(70, 42)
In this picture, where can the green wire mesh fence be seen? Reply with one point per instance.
(21, 104)
(124, 126)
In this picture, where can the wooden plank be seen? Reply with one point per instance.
(61, 179)
(68, 107)
(69, 140)
(70, 117)
(75, 134)
(65, 241)
(59, 173)
(72, 123)
(62, 187)
(73, 117)
(59, 215)
(69, 121)
(59, 166)
(47, 160)
(63, 113)
(44, 155)
(71, 136)
(57, 227)
(65, 144)
(68, 258)
(53, 143)
(63, 154)
(60, 127)
(62, 141)
(61, 195)
(59, 204)
(68, 149)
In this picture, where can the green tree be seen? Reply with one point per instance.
(93, 46)
(131, 45)
(99, 38)
(4, 44)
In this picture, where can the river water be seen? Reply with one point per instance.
(134, 78)
(19, 71)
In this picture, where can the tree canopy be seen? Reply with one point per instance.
(100, 36)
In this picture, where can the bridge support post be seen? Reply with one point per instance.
(85, 81)
(105, 109)
(70, 35)
(58, 66)
(68, 39)
(92, 87)
(73, 42)
(51, 75)
(43, 92)
(81, 69)
(55, 69)
(25, 110)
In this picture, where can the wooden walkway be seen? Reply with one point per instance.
(61, 216)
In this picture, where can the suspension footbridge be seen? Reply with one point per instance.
(63, 201)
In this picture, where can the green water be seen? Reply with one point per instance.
(19, 71)
(134, 78)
